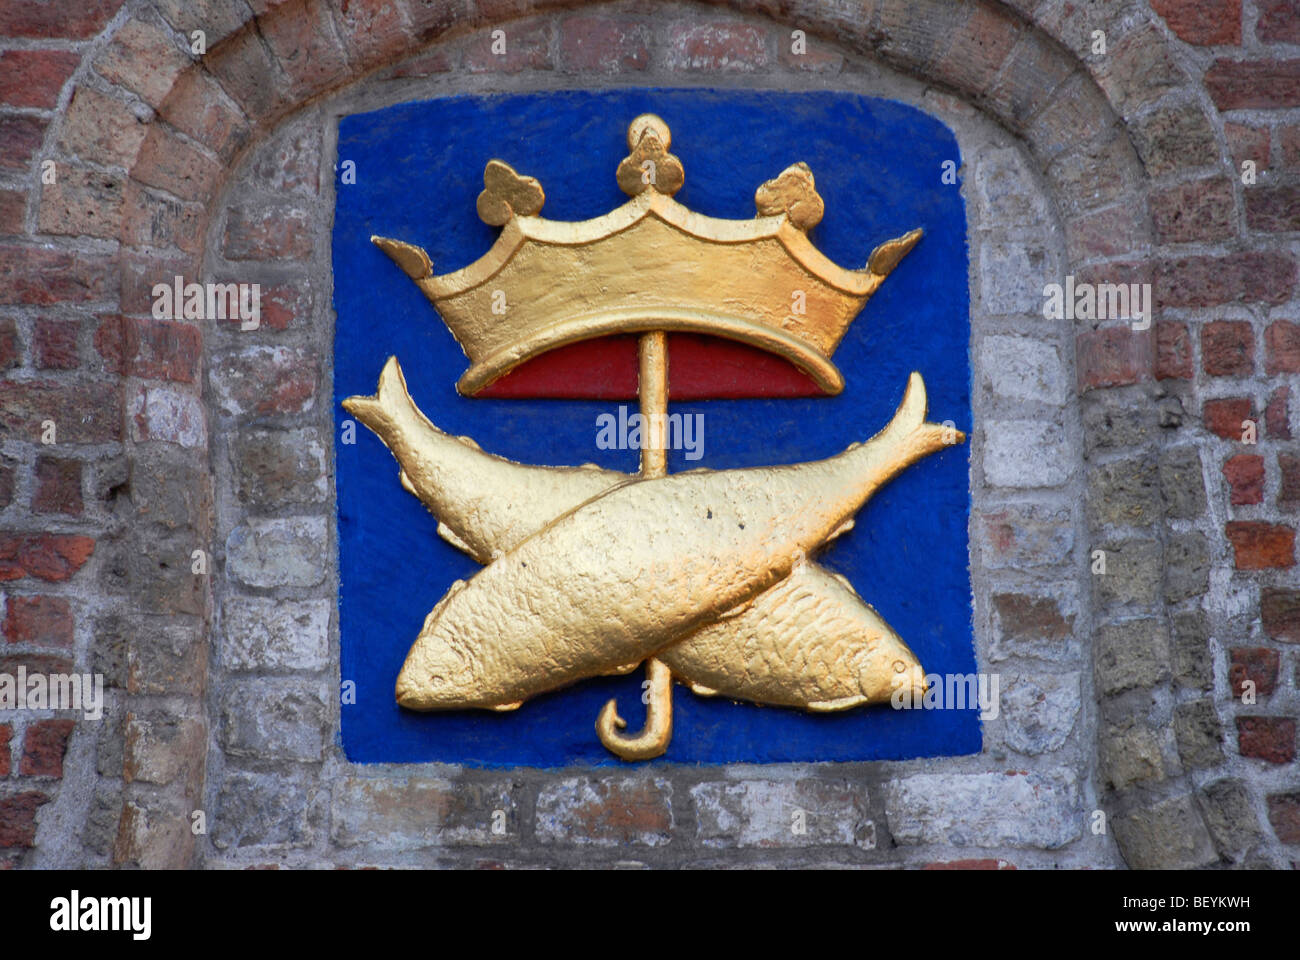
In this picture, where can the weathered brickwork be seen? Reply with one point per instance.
(1135, 487)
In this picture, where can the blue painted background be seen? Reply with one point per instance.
(877, 165)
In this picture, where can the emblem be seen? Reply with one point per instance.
(705, 577)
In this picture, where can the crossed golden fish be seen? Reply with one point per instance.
(706, 575)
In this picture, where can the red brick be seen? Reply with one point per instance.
(1282, 347)
(1247, 143)
(1256, 664)
(1174, 138)
(267, 232)
(11, 354)
(82, 202)
(974, 56)
(714, 47)
(1190, 212)
(1204, 23)
(168, 163)
(101, 128)
(604, 45)
(143, 58)
(152, 349)
(43, 748)
(198, 107)
(142, 271)
(1273, 209)
(1279, 611)
(1277, 415)
(285, 304)
(168, 415)
(1107, 233)
(42, 276)
(6, 734)
(1112, 357)
(528, 47)
(244, 69)
(48, 556)
(1258, 545)
(1252, 277)
(155, 220)
(1228, 348)
(1279, 21)
(1173, 351)
(1284, 816)
(1254, 84)
(1267, 738)
(20, 138)
(1289, 487)
(291, 164)
(1245, 476)
(43, 20)
(13, 209)
(54, 346)
(264, 381)
(58, 486)
(302, 39)
(18, 818)
(1224, 417)
(1290, 140)
(34, 78)
(373, 31)
(42, 621)
(1139, 65)
(82, 412)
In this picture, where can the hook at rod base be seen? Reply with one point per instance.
(653, 740)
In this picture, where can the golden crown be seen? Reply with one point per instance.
(650, 264)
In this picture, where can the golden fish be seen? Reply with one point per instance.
(812, 644)
(603, 590)
(485, 504)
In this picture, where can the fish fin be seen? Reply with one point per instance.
(590, 466)
(406, 482)
(506, 707)
(449, 535)
(737, 610)
(701, 690)
(842, 703)
(469, 442)
(842, 529)
(622, 669)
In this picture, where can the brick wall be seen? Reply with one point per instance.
(1123, 691)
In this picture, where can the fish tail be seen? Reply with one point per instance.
(383, 412)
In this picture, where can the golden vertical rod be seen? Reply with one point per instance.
(652, 390)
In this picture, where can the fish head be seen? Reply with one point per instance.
(437, 675)
(886, 664)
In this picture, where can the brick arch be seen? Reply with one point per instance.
(1016, 62)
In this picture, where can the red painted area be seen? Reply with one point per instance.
(699, 368)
